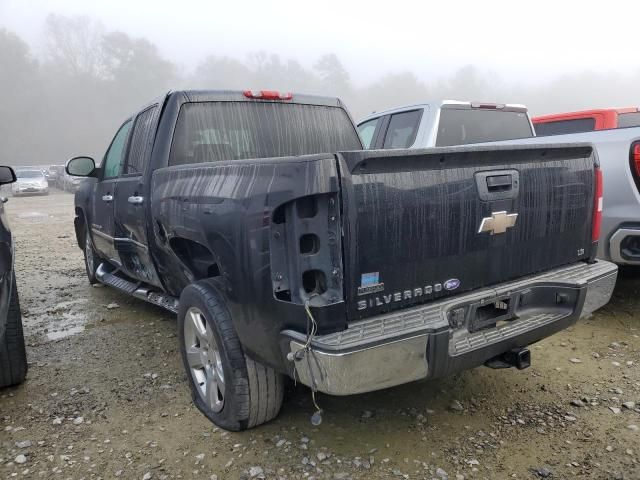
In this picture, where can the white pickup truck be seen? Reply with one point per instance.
(444, 123)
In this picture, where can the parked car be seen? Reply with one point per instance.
(55, 175)
(30, 181)
(619, 156)
(13, 358)
(586, 121)
(444, 123)
(350, 272)
(71, 183)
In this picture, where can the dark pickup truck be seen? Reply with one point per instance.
(349, 272)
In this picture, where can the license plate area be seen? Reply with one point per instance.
(491, 314)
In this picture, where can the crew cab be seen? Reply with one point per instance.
(443, 124)
(586, 121)
(13, 357)
(287, 250)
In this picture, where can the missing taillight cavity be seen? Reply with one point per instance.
(314, 282)
(309, 244)
(307, 207)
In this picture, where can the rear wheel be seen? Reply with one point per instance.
(91, 260)
(13, 355)
(232, 390)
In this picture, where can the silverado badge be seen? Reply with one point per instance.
(498, 222)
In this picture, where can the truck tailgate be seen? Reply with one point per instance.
(426, 224)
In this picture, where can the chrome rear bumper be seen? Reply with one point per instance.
(420, 342)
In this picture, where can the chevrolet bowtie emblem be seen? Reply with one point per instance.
(498, 222)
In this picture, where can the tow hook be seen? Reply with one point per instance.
(519, 358)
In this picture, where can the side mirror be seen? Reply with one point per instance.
(80, 166)
(7, 175)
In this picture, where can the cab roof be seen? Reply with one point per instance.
(584, 113)
(438, 104)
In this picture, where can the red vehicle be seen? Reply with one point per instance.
(586, 121)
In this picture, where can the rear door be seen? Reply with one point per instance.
(402, 129)
(102, 223)
(130, 220)
(423, 224)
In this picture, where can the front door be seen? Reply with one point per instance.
(131, 241)
(102, 221)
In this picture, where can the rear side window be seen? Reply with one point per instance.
(460, 126)
(402, 129)
(214, 131)
(366, 131)
(141, 142)
(629, 120)
(562, 127)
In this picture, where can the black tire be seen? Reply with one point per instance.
(253, 391)
(91, 260)
(13, 355)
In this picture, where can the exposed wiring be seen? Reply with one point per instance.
(312, 329)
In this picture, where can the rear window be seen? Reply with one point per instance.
(214, 131)
(629, 120)
(462, 126)
(562, 127)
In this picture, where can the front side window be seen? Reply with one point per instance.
(115, 155)
(218, 131)
(402, 129)
(366, 131)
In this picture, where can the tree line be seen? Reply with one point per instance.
(70, 97)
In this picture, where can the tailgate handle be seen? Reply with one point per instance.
(499, 183)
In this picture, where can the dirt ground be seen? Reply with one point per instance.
(106, 395)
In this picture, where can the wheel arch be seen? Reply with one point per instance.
(81, 226)
(199, 259)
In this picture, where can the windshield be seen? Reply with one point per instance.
(212, 131)
(29, 174)
(462, 126)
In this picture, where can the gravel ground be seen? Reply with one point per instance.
(106, 395)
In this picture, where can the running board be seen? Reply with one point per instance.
(136, 289)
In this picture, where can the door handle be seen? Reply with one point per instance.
(499, 182)
(107, 198)
(135, 200)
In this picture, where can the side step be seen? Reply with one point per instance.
(136, 289)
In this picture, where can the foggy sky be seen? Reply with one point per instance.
(526, 42)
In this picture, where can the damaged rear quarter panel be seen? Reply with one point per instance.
(228, 208)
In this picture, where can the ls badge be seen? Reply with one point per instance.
(498, 222)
